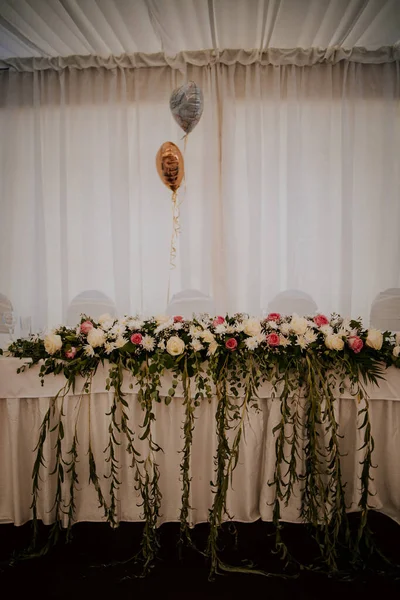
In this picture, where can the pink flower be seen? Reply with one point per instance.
(273, 317)
(273, 339)
(178, 319)
(218, 321)
(86, 326)
(320, 320)
(71, 353)
(136, 338)
(355, 343)
(231, 344)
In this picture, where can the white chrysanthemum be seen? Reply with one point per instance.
(164, 326)
(374, 339)
(310, 336)
(284, 341)
(252, 327)
(175, 346)
(148, 343)
(272, 325)
(285, 328)
(88, 350)
(396, 351)
(107, 325)
(252, 342)
(298, 325)
(161, 319)
(109, 347)
(326, 329)
(231, 329)
(334, 342)
(52, 343)
(135, 324)
(119, 342)
(197, 345)
(220, 329)
(311, 324)
(239, 326)
(124, 321)
(207, 336)
(96, 337)
(118, 330)
(195, 332)
(212, 348)
(161, 345)
(177, 326)
(301, 341)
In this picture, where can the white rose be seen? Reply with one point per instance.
(96, 337)
(334, 342)
(207, 336)
(396, 351)
(161, 319)
(298, 325)
(52, 343)
(374, 339)
(175, 346)
(285, 328)
(103, 318)
(252, 327)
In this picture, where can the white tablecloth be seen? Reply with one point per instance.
(23, 403)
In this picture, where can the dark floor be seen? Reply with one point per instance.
(77, 570)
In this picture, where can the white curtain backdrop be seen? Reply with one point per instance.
(292, 181)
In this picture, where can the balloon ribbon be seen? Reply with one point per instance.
(175, 233)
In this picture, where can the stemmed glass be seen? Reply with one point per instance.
(9, 321)
(25, 327)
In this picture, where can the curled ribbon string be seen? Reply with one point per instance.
(175, 232)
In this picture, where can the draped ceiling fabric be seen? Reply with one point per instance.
(292, 175)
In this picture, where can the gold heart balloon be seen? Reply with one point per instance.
(170, 165)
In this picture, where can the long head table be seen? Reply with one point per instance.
(24, 402)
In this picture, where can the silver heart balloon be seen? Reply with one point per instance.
(186, 104)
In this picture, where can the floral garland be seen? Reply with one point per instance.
(234, 356)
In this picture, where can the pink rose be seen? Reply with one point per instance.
(231, 344)
(136, 338)
(86, 326)
(273, 339)
(273, 317)
(320, 320)
(355, 343)
(218, 321)
(71, 353)
(178, 319)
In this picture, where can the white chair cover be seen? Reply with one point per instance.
(293, 301)
(187, 302)
(92, 303)
(385, 310)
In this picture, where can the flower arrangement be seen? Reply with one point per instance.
(229, 356)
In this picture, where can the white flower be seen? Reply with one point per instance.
(374, 339)
(346, 324)
(103, 318)
(298, 325)
(231, 329)
(135, 324)
(78, 331)
(195, 332)
(396, 351)
(272, 325)
(106, 325)
(252, 342)
(96, 337)
(239, 327)
(118, 330)
(207, 336)
(326, 329)
(220, 329)
(52, 343)
(310, 336)
(285, 328)
(164, 325)
(88, 350)
(284, 341)
(109, 347)
(161, 319)
(175, 346)
(334, 342)
(178, 326)
(252, 327)
(212, 348)
(148, 343)
(197, 345)
(301, 341)
(119, 342)
(161, 345)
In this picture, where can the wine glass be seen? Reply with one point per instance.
(25, 327)
(9, 321)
